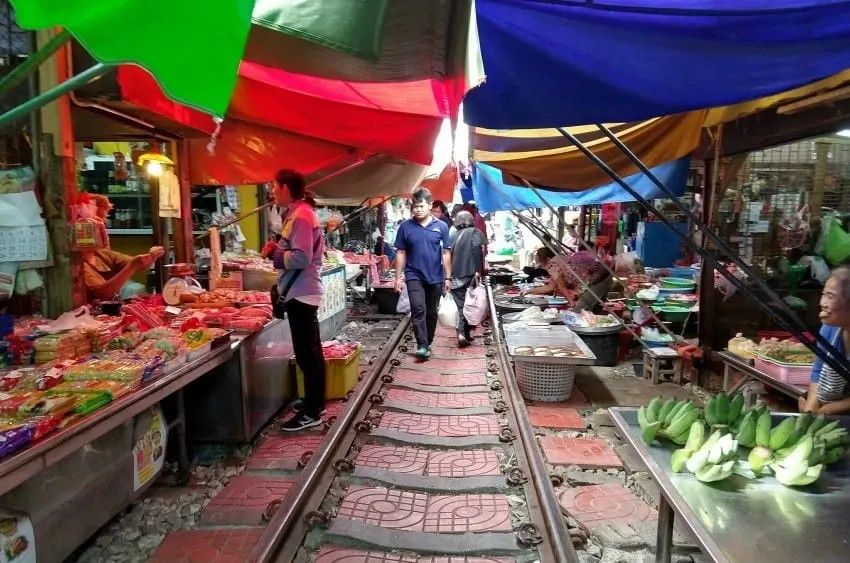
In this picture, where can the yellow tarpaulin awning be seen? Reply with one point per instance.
(545, 157)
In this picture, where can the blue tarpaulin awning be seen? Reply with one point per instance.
(572, 62)
(504, 197)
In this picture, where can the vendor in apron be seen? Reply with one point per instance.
(580, 278)
(107, 273)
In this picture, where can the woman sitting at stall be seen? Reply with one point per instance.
(581, 272)
(467, 267)
(829, 393)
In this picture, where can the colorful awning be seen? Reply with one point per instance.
(547, 158)
(565, 62)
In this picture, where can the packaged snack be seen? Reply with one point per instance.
(15, 439)
(10, 403)
(115, 389)
(47, 404)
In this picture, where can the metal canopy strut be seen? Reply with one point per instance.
(826, 352)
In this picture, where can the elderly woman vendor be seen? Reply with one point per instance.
(581, 272)
(829, 393)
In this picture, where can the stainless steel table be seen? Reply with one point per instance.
(732, 361)
(747, 521)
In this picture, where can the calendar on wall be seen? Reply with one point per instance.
(333, 293)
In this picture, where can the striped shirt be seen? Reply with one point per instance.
(831, 386)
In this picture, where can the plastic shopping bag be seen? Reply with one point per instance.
(475, 307)
(447, 313)
(403, 305)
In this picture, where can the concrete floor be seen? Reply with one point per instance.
(617, 386)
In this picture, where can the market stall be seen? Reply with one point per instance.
(799, 492)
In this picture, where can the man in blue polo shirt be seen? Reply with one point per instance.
(424, 256)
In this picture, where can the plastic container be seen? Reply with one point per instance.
(678, 283)
(780, 335)
(673, 313)
(792, 374)
(544, 382)
(340, 376)
(604, 345)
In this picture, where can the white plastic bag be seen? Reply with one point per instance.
(403, 305)
(475, 306)
(447, 313)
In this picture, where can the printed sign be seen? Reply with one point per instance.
(149, 451)
(17, 539)
(229, 280)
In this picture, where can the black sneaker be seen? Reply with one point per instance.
(300, 422)
(298, 407)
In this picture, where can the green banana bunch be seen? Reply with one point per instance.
(696, 436)
(760, 458)
(723, 413)
(669, 419)
(794, 469)
(715, 459)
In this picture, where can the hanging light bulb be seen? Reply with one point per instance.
(154, 168)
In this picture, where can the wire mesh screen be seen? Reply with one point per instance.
(15, 46)
(769, 208)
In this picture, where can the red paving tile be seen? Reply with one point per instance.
(406, 510)
(468, 513)
(439, 400)
(447, 366)
(415, 461)
(556, 417)
(453, 425)
(282, 452)
(227, 545)
(392, 458)
(469, 463)
(584, 452)
(244, 500)
(605, 504)
(333, 554)
(445, 351)
(399, 510)
(451, 342)
(436, 379)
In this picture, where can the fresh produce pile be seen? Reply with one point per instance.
(785, 351)
(795, 451)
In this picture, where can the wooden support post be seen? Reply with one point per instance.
(63, 287)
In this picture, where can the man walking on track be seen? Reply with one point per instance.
(424, 256)
(298, 257)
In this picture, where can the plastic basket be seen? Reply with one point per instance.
(544, 381)
(340, 375)
(788, 373)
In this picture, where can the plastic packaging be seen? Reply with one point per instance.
(447, 313)
(15, 439)
(741, 346)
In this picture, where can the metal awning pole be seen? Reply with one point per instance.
(343, 170)
(829, 355)
(32, 62)
(791, 317)
(29, 106)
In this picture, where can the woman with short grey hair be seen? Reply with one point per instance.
(829, 392)
(467, 268)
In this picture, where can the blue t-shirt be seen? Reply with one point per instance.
(423, 246)
(831, 386)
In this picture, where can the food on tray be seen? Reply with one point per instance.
(254, 297)
(785, 351)
(12, 549)
(534, 313)
(556, 351)
(8, 526)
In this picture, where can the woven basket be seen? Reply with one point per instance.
(544, 382)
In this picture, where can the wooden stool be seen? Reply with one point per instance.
(661, 362)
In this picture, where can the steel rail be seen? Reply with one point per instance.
(556, 527)
(271, 541)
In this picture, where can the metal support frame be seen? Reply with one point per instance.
(29, 106)
(828, 354)
(29, 66)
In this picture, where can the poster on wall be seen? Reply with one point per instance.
(149, 451)
(17, 539)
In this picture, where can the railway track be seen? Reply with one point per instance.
(426, 461)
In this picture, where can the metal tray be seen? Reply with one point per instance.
(514, 317)
(597, 330)
(568, 340)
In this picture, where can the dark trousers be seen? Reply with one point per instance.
(424, 302)
(459, 295)
(307, 344)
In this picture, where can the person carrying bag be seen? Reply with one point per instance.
(467, 270)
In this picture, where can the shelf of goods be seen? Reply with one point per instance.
(735, 515)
